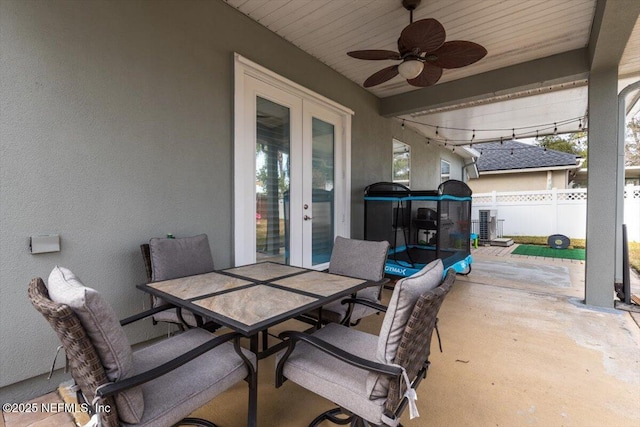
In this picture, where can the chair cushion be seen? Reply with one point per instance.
(358, 258)
(406, 293)
(103, 328)
(177, 394)
(171, 316)
(333, 379)
(187, 256)
(335, 312)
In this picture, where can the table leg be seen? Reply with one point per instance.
(252, 416)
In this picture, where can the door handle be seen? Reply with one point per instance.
(307, 218)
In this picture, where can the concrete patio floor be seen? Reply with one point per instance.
(520, 349)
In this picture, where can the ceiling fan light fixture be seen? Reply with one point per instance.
(410, 69)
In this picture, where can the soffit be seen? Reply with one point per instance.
(534, 75)
(513, 32)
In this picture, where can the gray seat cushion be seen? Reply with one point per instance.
(171, 316)
(406, 293)
(168, 398)
(335, 312)
(103, 328)
(357, 258)
(173, 258)
(333, 379)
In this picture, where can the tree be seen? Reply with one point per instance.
(632, 142)
(573, 143)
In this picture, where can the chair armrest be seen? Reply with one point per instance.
(145, 314)
(366, 303)
(110, 389)
(338, 353)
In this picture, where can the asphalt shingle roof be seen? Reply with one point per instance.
(497, 156)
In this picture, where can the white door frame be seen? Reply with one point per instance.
(244, 157)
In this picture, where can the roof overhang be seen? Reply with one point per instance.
(545, 169)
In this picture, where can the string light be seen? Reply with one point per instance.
(523, 132)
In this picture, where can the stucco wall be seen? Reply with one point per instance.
(116, 126)
(523, 181)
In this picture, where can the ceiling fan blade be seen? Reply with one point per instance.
(425, 35)
(428, 77)
(374, 54)
(381, 76)
(458, 53)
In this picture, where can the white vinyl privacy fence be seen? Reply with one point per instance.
(542, 213)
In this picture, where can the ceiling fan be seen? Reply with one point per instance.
(423, 52)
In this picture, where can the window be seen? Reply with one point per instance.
(401, 171)
(445, 170)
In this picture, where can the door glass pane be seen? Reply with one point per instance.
(323, 191)
(272, 181)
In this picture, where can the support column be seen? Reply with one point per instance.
(602, 187)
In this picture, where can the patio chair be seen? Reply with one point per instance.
(168, 258)
(158, 385)
(371, 378)
(362, 259)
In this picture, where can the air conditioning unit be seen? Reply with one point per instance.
(488, 225)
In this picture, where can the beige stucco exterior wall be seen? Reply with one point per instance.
(520, 181)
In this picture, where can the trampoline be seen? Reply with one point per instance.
(421, 226)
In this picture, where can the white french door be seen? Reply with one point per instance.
(290, 171)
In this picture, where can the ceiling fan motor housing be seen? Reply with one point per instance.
(410, 4)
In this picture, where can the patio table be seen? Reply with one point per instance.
(251, 298)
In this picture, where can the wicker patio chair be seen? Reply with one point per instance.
(158, 385)
(364, 374)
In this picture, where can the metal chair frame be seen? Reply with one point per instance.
(413, 355)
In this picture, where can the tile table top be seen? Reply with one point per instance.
(319, 283)
(264, 271)
(253, 297)
(255, 304)
(195, 286)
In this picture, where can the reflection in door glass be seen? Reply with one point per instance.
(272, 181)
(323, 191)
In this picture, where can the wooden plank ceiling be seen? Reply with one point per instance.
(513, 32)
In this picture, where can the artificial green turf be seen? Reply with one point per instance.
(545, 251)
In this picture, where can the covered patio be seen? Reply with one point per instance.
(519, 348)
